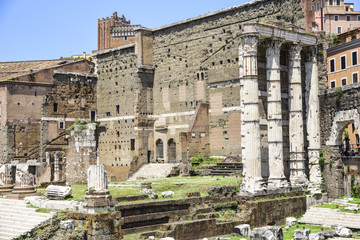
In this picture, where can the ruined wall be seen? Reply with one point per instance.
(81, 153)
(338, 102)
(124, 100)
(197, 61)
(72, 97)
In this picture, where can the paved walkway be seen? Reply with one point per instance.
(16, 218)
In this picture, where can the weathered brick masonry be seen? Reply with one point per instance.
(148, 93)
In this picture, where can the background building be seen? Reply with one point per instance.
(335, 16)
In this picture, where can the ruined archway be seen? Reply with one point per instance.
(341, 120)
(171, 150)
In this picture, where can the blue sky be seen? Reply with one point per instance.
(50, 29)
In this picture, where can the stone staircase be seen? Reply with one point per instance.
(153, 170)
(17, 219)
(330, 217)
(226, 169)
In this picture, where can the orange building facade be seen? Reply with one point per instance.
(343, 60)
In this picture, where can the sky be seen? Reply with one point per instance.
(50, 29)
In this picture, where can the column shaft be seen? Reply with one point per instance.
(296, 123)
(313, 117)
(250, 116)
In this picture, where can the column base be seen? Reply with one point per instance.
(99, 203)
(278, 185)
(253, 187)
(299, 181)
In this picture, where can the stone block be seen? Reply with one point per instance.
(329, 234)
(291, 221)
(316, 236)
(268, 232)
(242, 230)
(58, 192)
(301, 234)
(69, 224)
(147, 191)
(345, 232)
(167, 194)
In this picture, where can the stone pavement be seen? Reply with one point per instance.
(330, 217)
(17, 218)
(153, 170)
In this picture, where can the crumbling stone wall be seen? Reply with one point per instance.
(333, 102)
(124, 101)
(81, 153)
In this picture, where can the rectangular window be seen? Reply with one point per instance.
(338, 30)
(347, 9)
(336, 18)
(117, 109)
(354, 58)
(355, 77)
(108, 114)
(125, 38)
(132, 144)
(117, 133)
(343, 81)
(331, 2)
(358, 17)
(343, 62)
(348, 18)
(61, 125)
(333, 84)
(92, 115)
(317, 6)
(193, 135)
(338, 2)
(332, 65)
(55, 107)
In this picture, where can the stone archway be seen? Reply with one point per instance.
(340, 121)
(159, 149)
(171, 150)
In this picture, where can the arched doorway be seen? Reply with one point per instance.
(171, 150)
(159, 149)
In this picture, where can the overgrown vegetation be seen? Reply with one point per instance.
(199, 160)
(81, 123)
(332, 39)
(338, 95)
(179, 185)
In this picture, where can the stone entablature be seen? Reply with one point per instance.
(272, 38)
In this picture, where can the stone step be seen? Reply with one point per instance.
(4, 223)
(4, 235)
(26, 212)
(21, 219)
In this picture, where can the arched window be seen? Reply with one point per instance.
(171, 150)
(159, 149)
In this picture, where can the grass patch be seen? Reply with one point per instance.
(334, 206)
(179, 185)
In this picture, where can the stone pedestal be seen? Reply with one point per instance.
(276, 179)
(6, 179)
(24, 183)
(253, 183)
(98, 196)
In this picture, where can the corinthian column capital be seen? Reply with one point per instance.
(273, 47)
(250, 43)
(295, 52)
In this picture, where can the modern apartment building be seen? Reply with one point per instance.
(335, 16)
(343, 60)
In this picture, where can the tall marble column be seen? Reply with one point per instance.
(253, 182)
(274, 117)
(313, 117)
(56, 166)
(296, 123)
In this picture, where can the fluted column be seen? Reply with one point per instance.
(296, 123)
(274, 116)
(253, 182)
(56, 166)
(313, 117)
